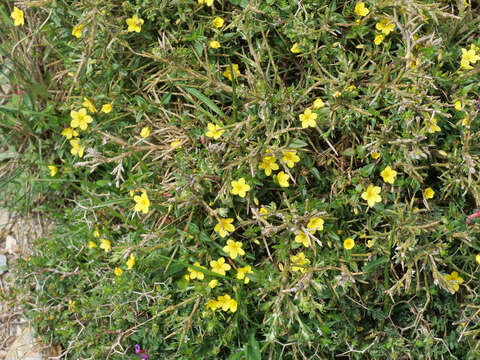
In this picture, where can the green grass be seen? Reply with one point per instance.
(389, 297)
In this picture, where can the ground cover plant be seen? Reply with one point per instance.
(246, 179)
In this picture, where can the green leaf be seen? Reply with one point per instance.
(348, 152)
(367, 170)
(253, 350)
(297, 144)
(372, 265)
(206, 101)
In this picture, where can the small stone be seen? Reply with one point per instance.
(3, 218)
(25, 347)
(3, 264)
(11, 245)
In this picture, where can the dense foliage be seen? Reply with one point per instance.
(247, 179)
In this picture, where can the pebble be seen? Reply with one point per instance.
(3, 264)
(25, 347)
(11, 245)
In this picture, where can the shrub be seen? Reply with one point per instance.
(296, 189)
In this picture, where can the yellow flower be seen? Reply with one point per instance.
(206, 2)
(388, 175)
(268, 164)
(315, 224)
(470, 55)
(370, 243)
(214, 44)
(227, 303)
(282, 179)
(228, 74)
(295, 49)
(224, 227)
(96, 233)
(213, 283)
(361, 9)
(17, 16)
(298, 262)
(290, 157)
(454, 280)
(213, 304)
(428, 193)
(234, 248)
(465, 64)
(134, 24)
(477, 258)
(91, 245)
(105, 245)
(239, 187)
(142, 202)
(432, 126)
(219, 266)
(263, 211)
(214, 131)
(349, 243)
(308, 118)
(106, 108)
(302, 238)
(80, 119)
(69, 133)
(372, 195)
(218, 22)
(145, 132)
(241, 272)
(378, 39)
(89, 105)
(77, 31)
(458, 105)
(465, 122)
(385, 26)
(195, 274)
(117, 271)
(375, 155)
(337, 94)
(76, 149)
(130, 261)
(175, 143)
(53, 170)
(318, 104)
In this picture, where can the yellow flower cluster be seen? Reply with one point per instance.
(314, 224)
(469, 57)
(106, 245)
(299, 262)
(224, 302)
(269, 164)
(80, 120)
(385, 27)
